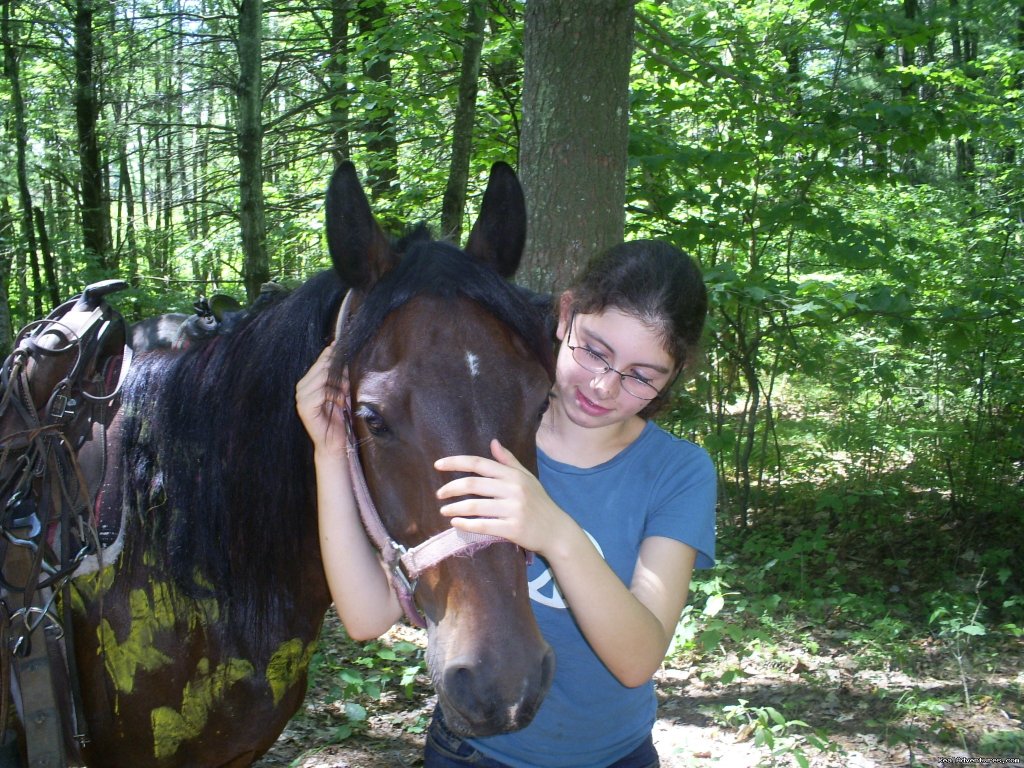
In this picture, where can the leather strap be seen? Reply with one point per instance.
(33, 679)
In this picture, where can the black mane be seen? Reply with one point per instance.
(217, 459)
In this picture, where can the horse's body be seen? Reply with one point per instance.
(192, 647)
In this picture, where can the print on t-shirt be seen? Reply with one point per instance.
(553, 598)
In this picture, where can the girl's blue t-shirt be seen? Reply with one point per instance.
(659, 485)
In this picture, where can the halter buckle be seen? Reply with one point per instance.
(397, 571)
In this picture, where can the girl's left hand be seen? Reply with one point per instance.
(511, 502)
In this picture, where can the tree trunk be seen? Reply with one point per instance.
(49, 263)
(338, 76)
(256, 265)
(7, 227)
(964, 44)
(575, 131)
(166, 166)
(95, 216)
(131, 238)
(453, 204)
(13, 74)
(381, 144)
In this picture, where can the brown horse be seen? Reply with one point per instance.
(192, 639)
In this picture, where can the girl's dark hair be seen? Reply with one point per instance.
(659, 285)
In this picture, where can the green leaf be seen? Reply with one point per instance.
(356, 713)
(714, 604)
(973, 629)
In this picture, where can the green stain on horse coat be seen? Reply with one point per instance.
(123, 659)
(202, 694)
(89, 587)
(161, 609)
(288, 666)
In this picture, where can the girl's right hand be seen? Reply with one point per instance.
(320, 403)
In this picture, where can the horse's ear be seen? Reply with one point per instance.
(360, 250)
(499, 234)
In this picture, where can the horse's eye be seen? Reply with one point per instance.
(372, 419)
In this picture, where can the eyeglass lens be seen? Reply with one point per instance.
(595, 363)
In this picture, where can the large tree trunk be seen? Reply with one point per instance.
(256, 265)
(381, 143)
(575, 131)
(338, 77)
(95, 213)
(454, 202)
(7, 227)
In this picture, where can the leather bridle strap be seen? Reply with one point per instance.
(404, 564)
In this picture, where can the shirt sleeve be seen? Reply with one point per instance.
(685, 500)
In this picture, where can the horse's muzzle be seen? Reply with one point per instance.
(479, 699)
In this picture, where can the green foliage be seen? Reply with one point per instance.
(867, 609)
(783, 738)
(1001, 743)
(359, 675)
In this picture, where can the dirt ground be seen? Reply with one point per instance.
(871, 714)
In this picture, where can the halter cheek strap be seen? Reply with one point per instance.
(404, 564)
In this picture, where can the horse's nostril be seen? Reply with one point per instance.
(522, 715)
(459, 682)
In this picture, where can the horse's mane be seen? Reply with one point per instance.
(218, 461)
(439, 269)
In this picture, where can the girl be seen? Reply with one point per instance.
(619, 516)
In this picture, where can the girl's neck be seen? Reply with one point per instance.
(585, 447)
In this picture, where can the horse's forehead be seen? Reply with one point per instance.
(432, 339)
(443, 330)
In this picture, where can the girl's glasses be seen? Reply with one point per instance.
(594, 362)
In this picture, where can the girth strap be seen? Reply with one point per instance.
(31, 662)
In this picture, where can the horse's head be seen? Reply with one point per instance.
(444, 354)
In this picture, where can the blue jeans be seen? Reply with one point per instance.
(446, 750)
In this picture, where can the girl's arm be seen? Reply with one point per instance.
(356, 577)
(629, 627)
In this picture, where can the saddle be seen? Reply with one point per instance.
(59, 390)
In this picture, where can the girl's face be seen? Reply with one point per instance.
(628, 346)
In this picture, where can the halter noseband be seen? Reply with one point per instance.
(404, 564)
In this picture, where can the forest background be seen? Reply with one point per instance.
(849, 175)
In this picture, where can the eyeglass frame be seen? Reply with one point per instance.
(608, 369)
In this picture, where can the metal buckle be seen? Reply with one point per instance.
(398, 572)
